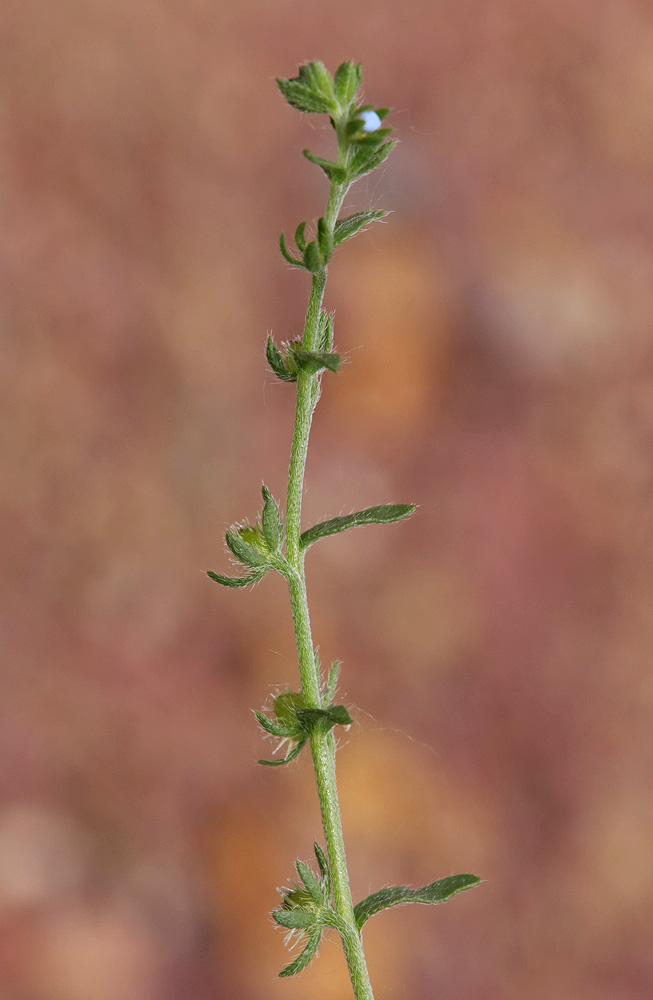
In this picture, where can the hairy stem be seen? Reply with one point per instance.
(323, 745)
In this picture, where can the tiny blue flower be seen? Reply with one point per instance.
(371, 121)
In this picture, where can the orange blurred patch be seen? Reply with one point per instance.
(394, 305)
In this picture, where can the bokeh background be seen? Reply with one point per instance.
(497, 647)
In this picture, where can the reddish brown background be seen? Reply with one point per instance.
(498, 646)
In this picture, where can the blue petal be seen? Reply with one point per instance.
(371, 121)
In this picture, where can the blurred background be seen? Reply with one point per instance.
(496, 647)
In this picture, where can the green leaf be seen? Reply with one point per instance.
(338, 715)
(436, 892)
(304, 98)
(311, 881)
(312, 257)
(299, 237)
(331, 169)
(366, 159)
(277, 362)
(302, 960)
(295, 918)
(278, 728)
(244, 552)
(271, 521)
(316, 361)
(324, 240)
(332, 681)
(316, 75)
(236, 581)
(296, 750)
(325, 718)
(373, 139)
(286, 252)
(352, 224)
(347, 80)
(322, 863)
(326, 331)
(383, 514)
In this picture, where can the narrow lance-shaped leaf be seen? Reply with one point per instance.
(236, 581)
(277, 728)
(352, 224)
(326, 331)
(324, 240)
(383, 514)
(243, 551)
(277, 362)
(332, 681)
(271, 521)
(317, 77)
(436, 892)
(347, 80)
(296, 750)
(312, 257)
(311, 882)
(299, 237)
(286, 252)
(304, 958)
(323, 864)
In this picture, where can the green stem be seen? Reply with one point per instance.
(323, 745)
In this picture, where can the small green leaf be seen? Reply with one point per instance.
(322, 863)
(332, 681)
(352, 224)
(295, 918)
(316, 361)
(277, 728)
(325, 718)
(236, 581)
(296, 750)
(366, 159)
(347, 80)
(271, 521)
(243, 551)
(338, 715)
(326, 331)
(317, 76)
(383, 514)
(373, 139)
(324, 240)
(299, 237)
(312, 883)
(312, 257)
(286, 252)
(304, 98)
(332, 170)
(436, 892)
(309, 951)
(277, 362)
